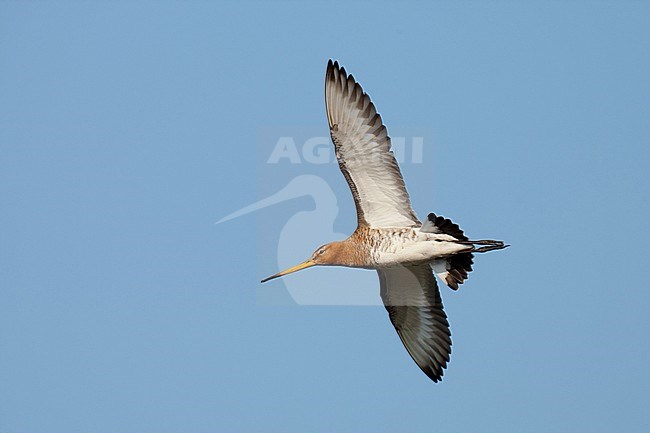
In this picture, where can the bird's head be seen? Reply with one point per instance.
(331, 254)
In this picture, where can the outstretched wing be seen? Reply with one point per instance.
(414, 306)
(363, 150)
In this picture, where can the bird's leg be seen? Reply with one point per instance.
(490, 248)
(490, 245)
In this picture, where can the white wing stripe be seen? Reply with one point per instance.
(363, 150)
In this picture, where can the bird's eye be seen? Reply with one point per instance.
(321, 251)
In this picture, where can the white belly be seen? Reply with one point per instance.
(423, 248)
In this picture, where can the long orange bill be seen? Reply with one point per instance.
(303, 265)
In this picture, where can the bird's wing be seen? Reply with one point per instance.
(414, 306)
(363, 150)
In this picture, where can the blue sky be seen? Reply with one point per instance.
(128, 128)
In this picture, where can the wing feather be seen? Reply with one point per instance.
(363, 151)
(415, 308)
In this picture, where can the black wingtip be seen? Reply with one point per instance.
(435, 376)
(332, 70)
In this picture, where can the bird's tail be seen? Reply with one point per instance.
(455, 269)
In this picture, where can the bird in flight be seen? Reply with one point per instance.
(390, 238)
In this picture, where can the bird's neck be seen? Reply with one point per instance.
(353, 252)
(340, 253)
